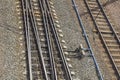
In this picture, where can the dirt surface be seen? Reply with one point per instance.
(10, 61)
(84, 68)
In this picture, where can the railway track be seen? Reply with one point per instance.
(44, 53)
(99, 74)
(108, 36)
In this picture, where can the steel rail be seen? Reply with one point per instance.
(87, 40)
(40, 52)
(104, 43)
(46, 26)
(101, 7)
(27, 37)
(29, 13)
(33, 23)
(65, 66)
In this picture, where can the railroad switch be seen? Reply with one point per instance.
(81, 51)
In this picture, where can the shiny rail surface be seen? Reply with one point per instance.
(106, 32)
(45, 58)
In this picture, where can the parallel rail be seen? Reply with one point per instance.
(87, 40)
(31, 29)
(45, 58)
(106, 32)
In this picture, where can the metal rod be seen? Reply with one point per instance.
(87, 40)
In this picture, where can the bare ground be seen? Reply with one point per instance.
(10, 61)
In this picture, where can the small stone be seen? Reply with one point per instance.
(20, 38)
(55, 17)
(58, 26)
(21, 44)
(52, 6)
(53, 10)
(36, 8)
(42, 39)
(63, 41)
(61, 35)
(66, 53)
(60, 30)
(17, 2)
(40, 29)
(73, 73)
(64, 47)
(37, 15)
(42, 34)
(54, 14)
(51, 3)
(35, 4)
(40, 24)
(69, 65)
(20, 27)
(18, 6)
(20, 22)
(23, 51)
(68, 59)
(38, 19)
(24, 58)
(57, 21)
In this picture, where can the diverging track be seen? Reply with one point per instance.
(107, 34)
(45, 58)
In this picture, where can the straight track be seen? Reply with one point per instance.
(45, 58)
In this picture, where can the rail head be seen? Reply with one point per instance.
(104, 43)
